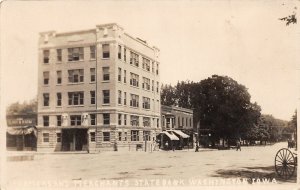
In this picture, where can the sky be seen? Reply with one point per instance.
(244, 40)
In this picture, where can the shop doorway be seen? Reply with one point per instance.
(74, 139)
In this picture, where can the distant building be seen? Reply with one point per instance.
(21, 132)
(177, 127)
(98, 89)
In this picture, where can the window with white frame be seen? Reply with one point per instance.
(146, 83)
(105, 71)
(106, 136)
(59, 77)
(134, 120)
(125, 98)
(152, 85)
(93, 74)
(146, 103)
(106, 96)
(134, 59)
(119, 119)
(134, 135)
(58, 99)
(93, 97)
(93, 136)
(76, 98)
(153, 67)
(106, 118)
(58, 55)
(75, 120)
(46, 120)
(105, 51)
(157, 69)
(93, 119)
(119, 97)
(146, 135)
(46, 137)
(146, 64)
(46, 97)
(92, 52)
(119, 74)
(125, 119)
(146, 121)
(46, 77)
(58, 120)
(76, 75)
(157, 87)
(134, 79)
(134, 100)
(75, 54)
(46, 54)
(124, 54)
(125, 136)
(125, 76)
(119, 52)
(120, 136)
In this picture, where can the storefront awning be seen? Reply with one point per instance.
(171, 136)
(182, 134)
(24, 130)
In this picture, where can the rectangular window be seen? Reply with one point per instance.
(125, 98)
(58, 55)
(106, 118)
(92, 52)
(46, 54)
(134, 135)
(134, 79)
(93, 136)
(157, 87)
(119, 97)
(58, 99)
(125, 76)
(46, 99)
(120, 136)
(93, 119)
(58, 120)
(182, 122)
(93, 97)
(45, 137)
(134, 120)
(119, 52)
(146, 135)
(146, 121)
(134, 100)
(125, 119)
(124, 54)
(76, 98)
(156, 68)
(146, 64)
(76, 75)
(125, 136)
(106, 98)
(157, 123)
(152, 67)
(59, 77)
(146, 103)
(105, 50)
(75, 120)
(75, 54)
(119, 74)
(120, 119)
(152, 85)
(179, 122)
(93, 74)
(106, 136)
(46, 77)
(58, 137)
(146, 83)
(46, 121)
(105, 73)
(134, 59)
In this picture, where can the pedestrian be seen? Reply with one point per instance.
(197, 147)
(238, 145)
(166, 145)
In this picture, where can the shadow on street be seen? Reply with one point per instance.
(253, 172)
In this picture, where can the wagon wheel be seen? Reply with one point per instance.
(285, 163)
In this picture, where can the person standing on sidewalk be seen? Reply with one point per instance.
(238, 145)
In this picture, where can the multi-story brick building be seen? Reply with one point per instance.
(98, 89)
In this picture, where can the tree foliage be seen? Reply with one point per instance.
(24, 108)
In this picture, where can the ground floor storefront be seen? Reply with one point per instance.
(21, 138)
(96, 139)
(176, 140)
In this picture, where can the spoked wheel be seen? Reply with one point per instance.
(285, 163)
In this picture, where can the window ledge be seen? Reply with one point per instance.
(77, 83)
(106, 104)
(72, 106)
(105, 81)
(80, 61)
(135, 86)
(105, 58)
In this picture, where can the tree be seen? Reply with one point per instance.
(168, 95)
(24, 108)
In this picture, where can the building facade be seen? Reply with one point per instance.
(177, 128)
(98, 89)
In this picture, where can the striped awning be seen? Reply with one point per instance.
(180, 133)
(24, 130)
(171, 136)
